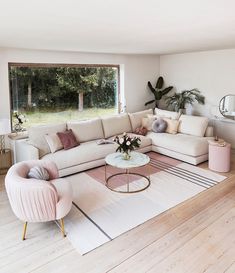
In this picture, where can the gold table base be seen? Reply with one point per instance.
(127, 173)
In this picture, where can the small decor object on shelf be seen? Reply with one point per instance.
(126, 144)
(217, 142)
(18, 121)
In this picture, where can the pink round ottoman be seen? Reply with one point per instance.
(219, 157)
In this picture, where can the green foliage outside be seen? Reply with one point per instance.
(38, 91)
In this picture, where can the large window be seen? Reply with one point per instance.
(57, 93)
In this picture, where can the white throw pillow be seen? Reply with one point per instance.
(193, 125)
(172, 125)
(87, 130)
(53, 142)
(166, 114)
(116, 125)
(148, 122)
(136, 118)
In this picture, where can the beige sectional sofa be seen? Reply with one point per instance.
(183, 145)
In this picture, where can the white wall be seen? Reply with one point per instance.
(212, 72)
(136, 71)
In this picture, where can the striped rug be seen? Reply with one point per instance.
(99, 215)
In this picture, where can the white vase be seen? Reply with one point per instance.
(126, 156)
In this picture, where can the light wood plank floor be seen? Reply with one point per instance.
(197, 236)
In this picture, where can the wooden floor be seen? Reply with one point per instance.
(194, 237)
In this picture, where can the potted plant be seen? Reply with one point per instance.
(126, 144)
(158, 91)
(178, 101)
(18, 122)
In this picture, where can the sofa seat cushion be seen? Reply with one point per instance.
(181, 143)
(86, 152)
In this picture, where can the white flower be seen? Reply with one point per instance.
(124, 134)
(121, 140)
(128, 143)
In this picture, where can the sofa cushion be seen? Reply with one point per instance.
(193, 125)
(53, 142)
(87, 130)
(166, 114)
(85, 153)
(181, 143)
(37, 136)
(141, 131)
(147, 122)
(136, 118)
(145, 141)
(116, 125)
(172, 125)
(159, 125)
(68, 139)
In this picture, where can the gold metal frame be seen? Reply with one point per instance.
(24, 230)
(127, 173)
(61, 227)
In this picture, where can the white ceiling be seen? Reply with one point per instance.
(118, 26)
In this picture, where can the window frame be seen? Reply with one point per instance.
(48, 65)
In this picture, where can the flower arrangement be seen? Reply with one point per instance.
(126, 144)
(19, 120)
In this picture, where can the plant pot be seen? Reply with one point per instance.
(182, 111)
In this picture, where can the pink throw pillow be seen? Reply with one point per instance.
(68, 139)
(141, 131)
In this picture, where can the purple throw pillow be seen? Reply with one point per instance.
(159, 126)
(68, 139)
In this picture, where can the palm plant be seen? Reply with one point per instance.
(180, 100)
(158, 91)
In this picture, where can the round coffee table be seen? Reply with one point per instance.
(136, 160)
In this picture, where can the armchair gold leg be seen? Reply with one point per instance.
(62, 227)
(24, 230)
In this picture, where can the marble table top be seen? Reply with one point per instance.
(136, 160)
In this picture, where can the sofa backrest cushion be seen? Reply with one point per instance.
(166, 114)
(37, 136)
(116, 125)
(193, 125)
(86, 130)
(136, 118)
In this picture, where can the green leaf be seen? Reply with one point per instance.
(149, 102)
(160, 83)
(151, 87)
(166, 90)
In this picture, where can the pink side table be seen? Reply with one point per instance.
(219, 157)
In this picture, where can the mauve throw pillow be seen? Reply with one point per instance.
(68, 139)
(159, 126)
(141, 131)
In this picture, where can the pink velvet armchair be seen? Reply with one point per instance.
(34, 200)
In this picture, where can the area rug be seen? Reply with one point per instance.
(99, 215)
